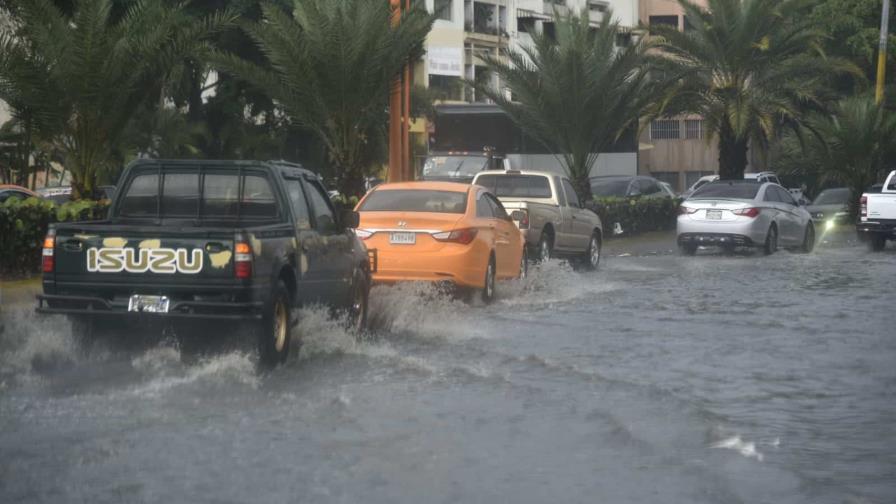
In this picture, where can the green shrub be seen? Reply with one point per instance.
(635, 215)
(23, 225)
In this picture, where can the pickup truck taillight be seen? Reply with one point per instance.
(864, 201)
(48, 262)
(522, 217)
(242, 260)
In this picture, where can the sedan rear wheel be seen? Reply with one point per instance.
(360, 301)
(809, 239)
(488, 291)
(771, 241)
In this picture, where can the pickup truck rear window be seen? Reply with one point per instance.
(415, 200)
(180, 196)
(516, 186)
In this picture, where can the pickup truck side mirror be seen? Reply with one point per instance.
(350, 218)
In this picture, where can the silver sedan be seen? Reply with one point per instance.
(744, 213)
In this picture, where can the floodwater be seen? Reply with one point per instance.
(658, 379)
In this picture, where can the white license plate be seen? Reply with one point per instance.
(714, 214)
(148, 304)
(403, 238)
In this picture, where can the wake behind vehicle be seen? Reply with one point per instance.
(744, 213)
(441, 232)
(545, 207)
(233, 241)
(877, 218)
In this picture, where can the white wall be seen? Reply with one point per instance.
(625, 163)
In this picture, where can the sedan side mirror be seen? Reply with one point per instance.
(350, 218)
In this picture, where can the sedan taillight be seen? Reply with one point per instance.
(683, 210)
(746, 212)
(462, 236)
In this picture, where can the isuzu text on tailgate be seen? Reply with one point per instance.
(234, 241)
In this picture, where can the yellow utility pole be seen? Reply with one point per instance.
(400, 168)
(882, 52)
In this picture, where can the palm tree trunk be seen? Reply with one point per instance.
(732, 155)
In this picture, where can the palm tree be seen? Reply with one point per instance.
(81, 77)
(854, 141)
(577, 92)
(750, 68)
(329, 66)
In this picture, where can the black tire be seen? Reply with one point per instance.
(591, 257)
(688, 249)
(524, 264)
(359, 302)
(808, 240)
(273, 333)
(545, 249)
(488, 290)
(877, 242)
(771, 241)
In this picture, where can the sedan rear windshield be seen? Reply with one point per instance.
(516, 186)
(215, 195)
(727, 190)
(415, 200)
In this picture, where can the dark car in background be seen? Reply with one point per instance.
(830, 207)
(627, 187)
(8, 191)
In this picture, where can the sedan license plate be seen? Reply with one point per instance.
(403, 238)
(714, 214)
(148, 304)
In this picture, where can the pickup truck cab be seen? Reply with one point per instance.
(877, 218)
(234, 241)
(545, 207)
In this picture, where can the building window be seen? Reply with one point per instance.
(446, 87)
(623, 39)
(687, 24)
(693, 128)
(664, 21)
(548, 30)
(525, 25)
(598, 6)
(665, 129)
(444, 9)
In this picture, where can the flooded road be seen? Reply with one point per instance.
(659, 378)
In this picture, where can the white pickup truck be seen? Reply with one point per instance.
(877, 220)
(545, 207)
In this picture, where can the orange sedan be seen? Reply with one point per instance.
(441, 232)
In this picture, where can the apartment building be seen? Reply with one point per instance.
(675, 150)
(468, 31)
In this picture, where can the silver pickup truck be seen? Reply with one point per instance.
(547, 210)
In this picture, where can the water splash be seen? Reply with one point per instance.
(747, 449)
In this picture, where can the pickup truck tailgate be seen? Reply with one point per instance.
(166, 257)
(881, 206)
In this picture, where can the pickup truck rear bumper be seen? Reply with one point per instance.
(877, 226)
(209, 310)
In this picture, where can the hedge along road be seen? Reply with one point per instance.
(659, 378)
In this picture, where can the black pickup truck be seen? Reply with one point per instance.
(237, 241)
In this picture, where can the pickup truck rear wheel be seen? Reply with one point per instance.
(359, 304)
(545, 247)
(591, 259)
(274, 335)
(877, 242)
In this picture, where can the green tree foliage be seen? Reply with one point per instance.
(750, 68)
(329, 65)
(851, 144)
(575, 92)
(852, 31)
(80, 76)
